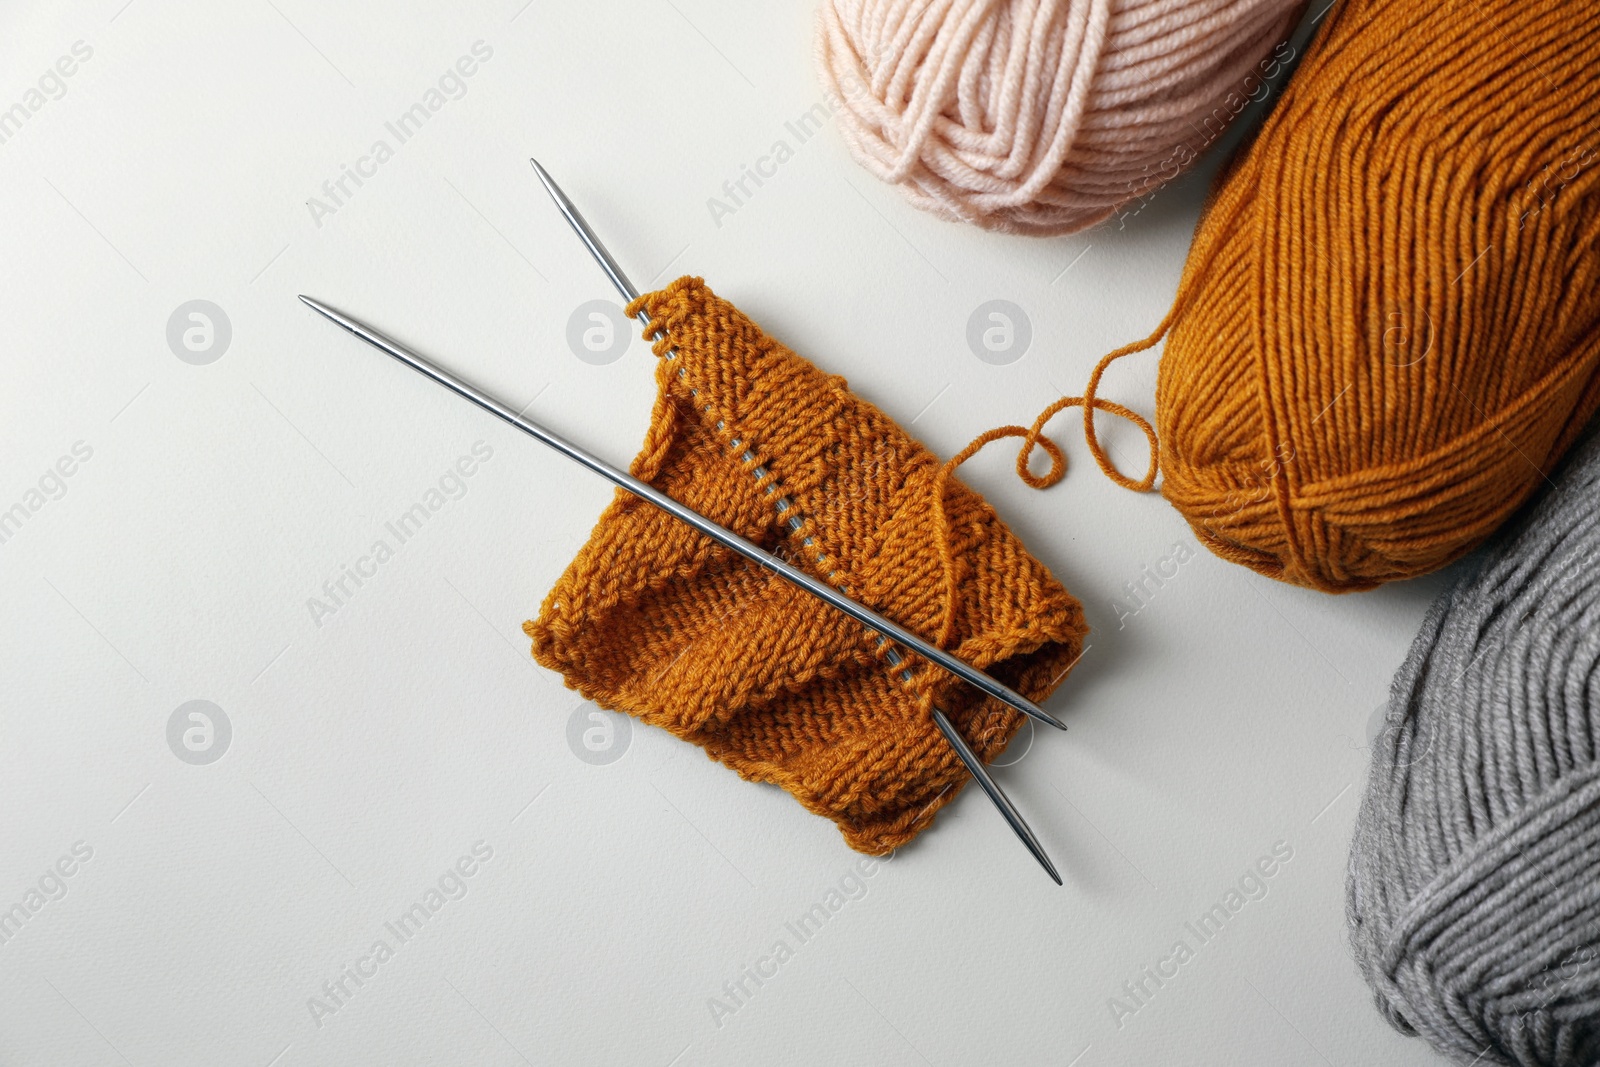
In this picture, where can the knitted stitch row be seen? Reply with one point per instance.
(654, 619)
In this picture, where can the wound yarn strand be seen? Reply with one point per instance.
(1388, 327)
(1039, 116)
(1473, 897)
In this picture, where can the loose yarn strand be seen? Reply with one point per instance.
(1091, 402)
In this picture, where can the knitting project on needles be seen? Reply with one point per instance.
(654, 619)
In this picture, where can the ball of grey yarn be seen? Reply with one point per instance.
(1473, 897)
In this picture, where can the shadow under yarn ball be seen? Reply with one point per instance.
(1473, 897)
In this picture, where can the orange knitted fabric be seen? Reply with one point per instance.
(655, 619)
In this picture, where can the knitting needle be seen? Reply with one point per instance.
(958, 743)
(654, 496)
(864, 615)
(727, 538)
(991, 788)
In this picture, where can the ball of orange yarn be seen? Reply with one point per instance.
(1042, 118)
(1388, 329)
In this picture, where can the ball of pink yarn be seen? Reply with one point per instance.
(1041, 117)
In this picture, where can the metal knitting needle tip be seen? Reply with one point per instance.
(1012, 816)
(586, 234)
(963, 751)
(967, 673)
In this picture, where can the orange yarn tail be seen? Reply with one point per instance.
(1033, 436)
